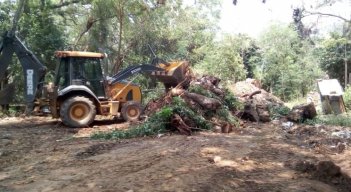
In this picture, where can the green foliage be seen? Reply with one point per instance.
(44, 36)
(331, 54)
(278, 111)
(336, 120)
(347, 97)
(6, 9)
(230, 58)
(231, 101)
(181, 108)
(125, 28)
(249, 52)
(152, 94)
(284, 54)
(12, 111)
(224, 114)
(202, 91)
(222, 59)
(157, 123)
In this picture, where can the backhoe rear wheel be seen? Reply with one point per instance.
(131, 111)
(78, 111)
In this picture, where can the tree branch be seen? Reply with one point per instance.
(17, 16)
(66, 3)
(327, 14)
(89, 24)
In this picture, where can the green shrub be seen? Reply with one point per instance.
(347, 97)
(231, 101)
(181, 108)
(157, 123)
(225, 115)
(278, 111)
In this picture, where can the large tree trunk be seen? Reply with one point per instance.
(120, 16)
(203, 101)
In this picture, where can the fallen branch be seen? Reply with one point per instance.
(177, 122)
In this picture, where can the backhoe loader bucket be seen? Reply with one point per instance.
(173, 74)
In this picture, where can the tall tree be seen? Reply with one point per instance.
(333, 52)
(288, 66)
(41, 32)
(175, 30)
(224, 59)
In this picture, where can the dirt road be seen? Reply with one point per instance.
(39, 154)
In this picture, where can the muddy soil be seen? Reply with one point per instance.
(40, 154)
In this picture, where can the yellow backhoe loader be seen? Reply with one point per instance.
(80, 91)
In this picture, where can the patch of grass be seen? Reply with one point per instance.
(336, 120)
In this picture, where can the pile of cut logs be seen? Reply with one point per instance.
(194, 101)
(257, 103)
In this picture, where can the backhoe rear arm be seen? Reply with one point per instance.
(33, 70)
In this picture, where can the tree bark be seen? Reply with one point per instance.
(120, 16)
(177, 122)
(17, 16)
(203, 101)
(300, 113)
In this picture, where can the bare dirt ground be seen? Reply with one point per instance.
(39, 154)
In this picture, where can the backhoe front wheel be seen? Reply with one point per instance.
(131, 111)
(77, 111)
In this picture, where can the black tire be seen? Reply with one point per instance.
(131, 111)
(77, 111)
